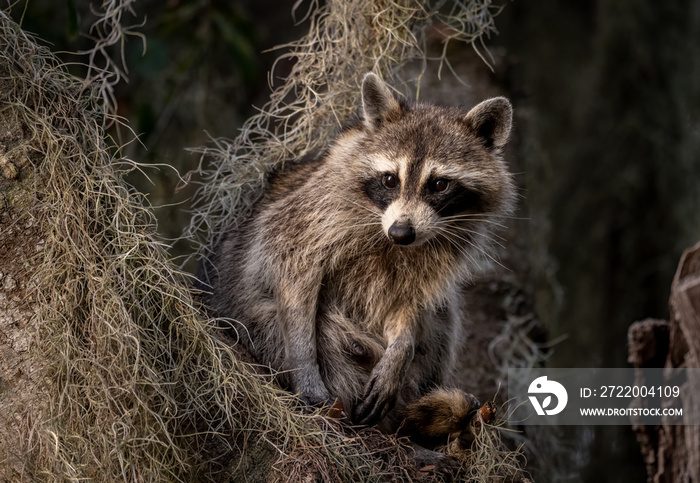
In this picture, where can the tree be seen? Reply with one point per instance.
(112, 369)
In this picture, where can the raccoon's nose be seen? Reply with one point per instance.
(402, 234)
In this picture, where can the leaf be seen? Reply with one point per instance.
(546, 402)
(488, 412)
(336, 410)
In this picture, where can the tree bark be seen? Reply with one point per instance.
(672, 453)
(22, 395)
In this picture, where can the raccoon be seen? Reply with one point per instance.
(347, 274)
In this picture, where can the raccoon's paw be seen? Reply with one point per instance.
(310, 388)
(317, 398)
(378, 398)
(437, 463)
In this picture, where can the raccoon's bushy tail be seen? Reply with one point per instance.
(429, 420)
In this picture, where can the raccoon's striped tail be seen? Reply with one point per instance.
(429, 420)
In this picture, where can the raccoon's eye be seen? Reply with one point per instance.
(440, 185)
(390, 181)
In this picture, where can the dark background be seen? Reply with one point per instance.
(606, 143)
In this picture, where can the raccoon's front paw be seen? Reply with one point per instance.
(315, 395)
(317, 399)
(378, 398)
(307, 383)
(440, 464)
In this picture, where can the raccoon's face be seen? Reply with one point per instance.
(433, 171)
(418, 198)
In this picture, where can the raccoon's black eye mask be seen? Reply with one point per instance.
(455, 198)
(381, 189)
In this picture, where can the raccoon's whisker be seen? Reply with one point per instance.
(450, 237)
(489, 236)
(376, 240)
(371, 242)
(484, 214)
(471, 218)
(433, 245)
(485, 221)
(374, 212)
(465, 252)
(374, 233)
(491, 214)
(476, 247)
(488, 255)
(479, 215)
(360, 225)
(475, 219)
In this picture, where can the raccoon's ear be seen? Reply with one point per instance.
(491, 121)
(378, 102)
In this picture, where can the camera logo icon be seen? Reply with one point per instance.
(542, 386)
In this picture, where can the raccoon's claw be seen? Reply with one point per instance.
(441, 464)
(376, 402)
(447, 467)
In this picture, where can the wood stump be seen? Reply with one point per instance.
(672, 453)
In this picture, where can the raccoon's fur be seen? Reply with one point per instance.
(347, 275)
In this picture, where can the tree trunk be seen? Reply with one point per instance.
(672, 453)
(21, 404)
